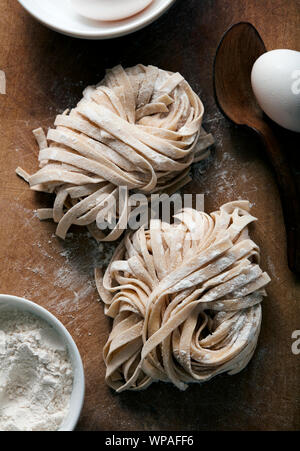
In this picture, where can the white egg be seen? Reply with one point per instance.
(109, 10)
(275, 81)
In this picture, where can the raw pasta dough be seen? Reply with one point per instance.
(140, 128)
(185, 299)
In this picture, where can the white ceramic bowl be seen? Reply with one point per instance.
(77, 397)
(60, 16)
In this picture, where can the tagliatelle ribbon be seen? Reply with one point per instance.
(185, 300)
(140, 128)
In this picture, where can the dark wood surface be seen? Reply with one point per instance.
(46, 73)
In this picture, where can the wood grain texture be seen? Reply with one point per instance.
(46, 73)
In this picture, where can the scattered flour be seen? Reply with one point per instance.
(2, 83)
(36, 376)
(77, 272)
(69, 266)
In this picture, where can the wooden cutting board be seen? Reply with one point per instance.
(46, 73)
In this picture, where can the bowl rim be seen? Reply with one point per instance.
(104, 34)
(72, 417)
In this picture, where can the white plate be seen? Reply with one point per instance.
(60, 16)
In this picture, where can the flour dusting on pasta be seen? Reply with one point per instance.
(185, 299)
(140, 128)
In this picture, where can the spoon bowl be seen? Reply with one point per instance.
(242, 45)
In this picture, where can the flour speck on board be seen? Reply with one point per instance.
(2, 83)
(271, 268)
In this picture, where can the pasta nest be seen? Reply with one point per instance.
(185, 299)
(140, 128)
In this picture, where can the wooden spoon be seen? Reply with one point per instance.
(237, 52)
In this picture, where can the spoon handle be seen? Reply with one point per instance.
(288, 192)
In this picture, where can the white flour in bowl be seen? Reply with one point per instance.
(36, 376)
